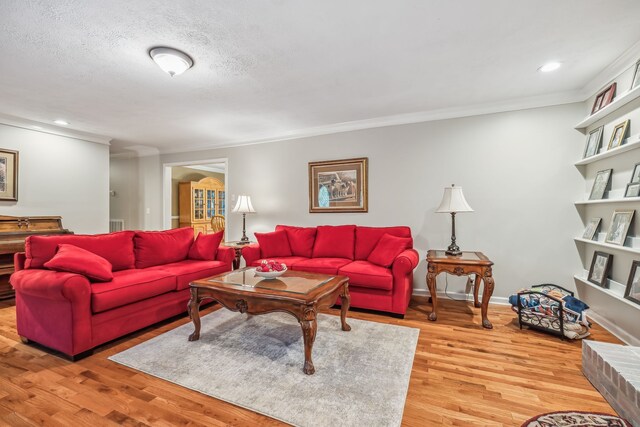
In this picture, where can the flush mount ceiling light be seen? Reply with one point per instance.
(550, 66)
(61, 122)
(171, 61)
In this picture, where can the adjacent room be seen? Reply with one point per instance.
(320, 213)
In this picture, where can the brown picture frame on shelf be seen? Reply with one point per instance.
(632, 292)
(619, 226)
(618, 135)
(636, 77)
(591, 230)
(339, 186)
(600, 267)
(600, 184)
(594, 141)
(604, 98)
(633, 190)
(8, 175)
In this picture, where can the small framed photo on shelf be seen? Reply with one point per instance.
(636, 77)
(632, 292)
(633, 189)
(619, 132)
(604, 98)
(619, 227)
(600, 184)
(600, 267)
(591, 229)
(593, 142)
(635, 176)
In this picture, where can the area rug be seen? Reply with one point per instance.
(576, 419)
(256, 362)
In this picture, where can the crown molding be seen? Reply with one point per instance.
(35, 126)
(621, 64)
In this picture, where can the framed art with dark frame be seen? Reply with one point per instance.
(635, 175)
(8, 175)
(593, 142)
(339, 186)
(636, 77)
(592, 228)
(600, 267)
(619, 226)
(632, 293)
(633, 189)
(600, 184)
(604, 98)
(618, 134)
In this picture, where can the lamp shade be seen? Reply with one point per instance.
(243, 205)
(453, 201)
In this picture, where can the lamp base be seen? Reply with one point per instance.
(244, 241)
(453, 250)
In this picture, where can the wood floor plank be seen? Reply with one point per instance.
(463, 375)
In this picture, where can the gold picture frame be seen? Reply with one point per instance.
(8, 175)
(339, 186)
(618, 134)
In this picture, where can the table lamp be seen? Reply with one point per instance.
(453, 201)
(244, 206)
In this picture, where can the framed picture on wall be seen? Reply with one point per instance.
(600, 184)
(619, 226)
(600, 267)
(593, 142)
(636, 77)
(632, 292)
(338, 186)
(633, 189)
(604, 98)
(8, 175)
(635, 175)
(591, 229)
(618, 134)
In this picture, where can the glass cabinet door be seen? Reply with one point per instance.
(198, 203)
(211, 203)
(221, 205)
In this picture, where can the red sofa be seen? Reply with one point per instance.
(151, 273)
(379, 279)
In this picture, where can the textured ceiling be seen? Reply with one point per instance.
(266, 68)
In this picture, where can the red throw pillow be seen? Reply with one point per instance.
(275, 244)
(205, 246)
(73, 259)
(387, 249)
(162, 247)
(300, 239)
(335, 241)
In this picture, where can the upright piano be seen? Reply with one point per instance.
(13, 232)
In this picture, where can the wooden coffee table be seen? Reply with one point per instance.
(298, 293)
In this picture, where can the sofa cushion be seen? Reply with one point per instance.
(301, 239)
(274, 244)
(289, 261)
(367, 275)
(321, 265)
(367, 238)
(130, 286)
(117, 248)
(387, 249)
(73, 259)
(162, 247)
(334, 241)
(205, 246)
(189, 270)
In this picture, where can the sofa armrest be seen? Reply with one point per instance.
(250, 253)
(51, 285)
(406, 262)
(226, 255)
(19, 259)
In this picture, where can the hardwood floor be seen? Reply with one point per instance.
(463, 375)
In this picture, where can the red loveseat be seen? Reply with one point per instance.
(151, 272)
(379, 261)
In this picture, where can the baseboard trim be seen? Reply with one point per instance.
(461, 296)
(616, 330)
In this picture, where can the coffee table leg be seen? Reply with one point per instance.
(194, 313)
(431, 284)
(486, 295)
(345, 302)
(309, 326)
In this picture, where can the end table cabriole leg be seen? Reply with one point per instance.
(345, 300)
(486, 295)
(476, 287)
(309, 328)
(194, 313)
(431, 284)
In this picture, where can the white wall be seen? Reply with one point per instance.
(516, 169)
(59, 176)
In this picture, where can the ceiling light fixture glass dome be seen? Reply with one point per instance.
(172, 61)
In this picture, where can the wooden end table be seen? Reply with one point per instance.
(463, 265)
(298, 293)
(236, 246)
